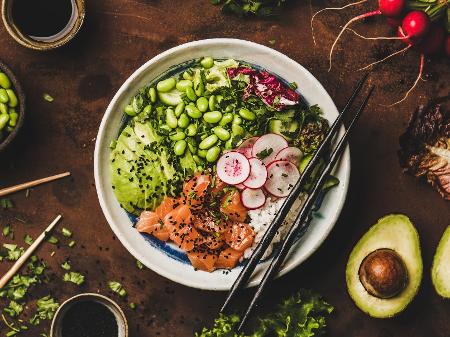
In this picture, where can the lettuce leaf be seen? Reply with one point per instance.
(302, 315)
(425, 147)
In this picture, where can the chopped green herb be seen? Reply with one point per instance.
(113, 144)
(74, 277)
(6, 230)
(46, 308)
(264, 153)
(272, 42)
(28, 239)
(5, 203)
(66, 265)
(13, 252)
(67, 233)
(48, 98)
(139, 264)
(293, 85)
(14, 309)
(53, 240)
(133, 305)
(117, 288)
(72, 243)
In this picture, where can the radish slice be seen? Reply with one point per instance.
(292, 154)
(283, 175)
(240, 187)
(258, 174)
(233, 168)
(267, 147)
(253, 198)
(246, 147)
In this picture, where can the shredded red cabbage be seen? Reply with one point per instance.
(267, 87)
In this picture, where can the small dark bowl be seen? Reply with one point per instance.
(21, 97)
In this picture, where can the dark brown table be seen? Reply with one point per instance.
(119, 36)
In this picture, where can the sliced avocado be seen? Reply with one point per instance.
(173, 97)
(440, 272)
(286, 129)
(384, 270)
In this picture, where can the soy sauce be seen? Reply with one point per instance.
(41, 18)
(89, 319)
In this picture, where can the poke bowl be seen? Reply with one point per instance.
(197, 151)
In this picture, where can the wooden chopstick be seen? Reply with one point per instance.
(15, 268)
(252, 262)
(12, 189)
(301, 222)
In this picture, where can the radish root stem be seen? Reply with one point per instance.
(356, 18)
(331, 8)
(386, 58)
(422, 61)
(376, 38)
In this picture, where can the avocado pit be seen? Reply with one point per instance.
(383, 273)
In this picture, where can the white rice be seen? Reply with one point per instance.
(261, 218)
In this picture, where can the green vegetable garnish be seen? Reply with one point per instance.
(139, 264)
(13, 252)
(66, 265)
(53, 240)
(28, 239)
(245, 7)
(5, 203)
(117, 288)
(6, 230)
(46, 308)
(14, 309)
(72, 243)
(74, 277)
(302, 315)
(264, 153)
(48, 98)
(67, 233)
(133, 305)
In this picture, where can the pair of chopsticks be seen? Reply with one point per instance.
(19, 263)
(301, 222)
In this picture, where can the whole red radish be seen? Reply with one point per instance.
(433, 41)
(415, 25)
(391, 8)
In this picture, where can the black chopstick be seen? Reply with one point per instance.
(301, 222)
(252, 262)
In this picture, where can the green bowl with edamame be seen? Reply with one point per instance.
(12, 106)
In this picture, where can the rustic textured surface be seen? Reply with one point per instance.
(118, 36)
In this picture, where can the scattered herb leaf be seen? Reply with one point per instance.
(28, 239)
(47, 97)
(66, 232)
(117, 288)
(264, 153)
(74, 277)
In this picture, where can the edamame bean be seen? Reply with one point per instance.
(191, 130)
(4, 118)
(222, 133)
(4, 98)
(247, 114)
(229, 108)
(166, 85)
(213, 154)
(12, 98)
(129, 110)
(197, 159)
(13, 118)
(202, 104)
(202, 153)
(212, 103)
(208, 142)
(165, 129)
(171, 119)
(183, 121)
(5, 83)
(192, 148)
(152, 94)
(183, 84)
(179, 109)
(237, 130)
(229, 144)
(147, 110)
(198, 83)
(237, 119)
(212, 117)
(193, 112)
(227, 118)
(187, 75)
(180, 147)
(207, 62)
(219, 98)
(179, 135)
(190, 93)
(3, 108)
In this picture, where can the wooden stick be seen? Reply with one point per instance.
(15, 268)
(33, 183)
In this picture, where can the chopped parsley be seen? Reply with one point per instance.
(117, 288)
(28, 239)
(48, 98)
(139, 264)
(72, 243)
(46, 309)
(264, 153)
(12, 251)
(66, 265)
(66, 232)
(6, 203)
(14, 309)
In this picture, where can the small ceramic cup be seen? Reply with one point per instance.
(45, 43)
(56, 327)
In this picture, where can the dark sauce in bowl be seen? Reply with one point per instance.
(89, 319)
(41, 18)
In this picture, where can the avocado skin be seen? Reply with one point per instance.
(440, 274)
(394, 232)
(141, 175)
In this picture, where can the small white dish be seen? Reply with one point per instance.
(155, 257)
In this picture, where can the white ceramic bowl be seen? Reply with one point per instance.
(157, 258)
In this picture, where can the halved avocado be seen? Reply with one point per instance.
(440, 272)
(384, 270)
